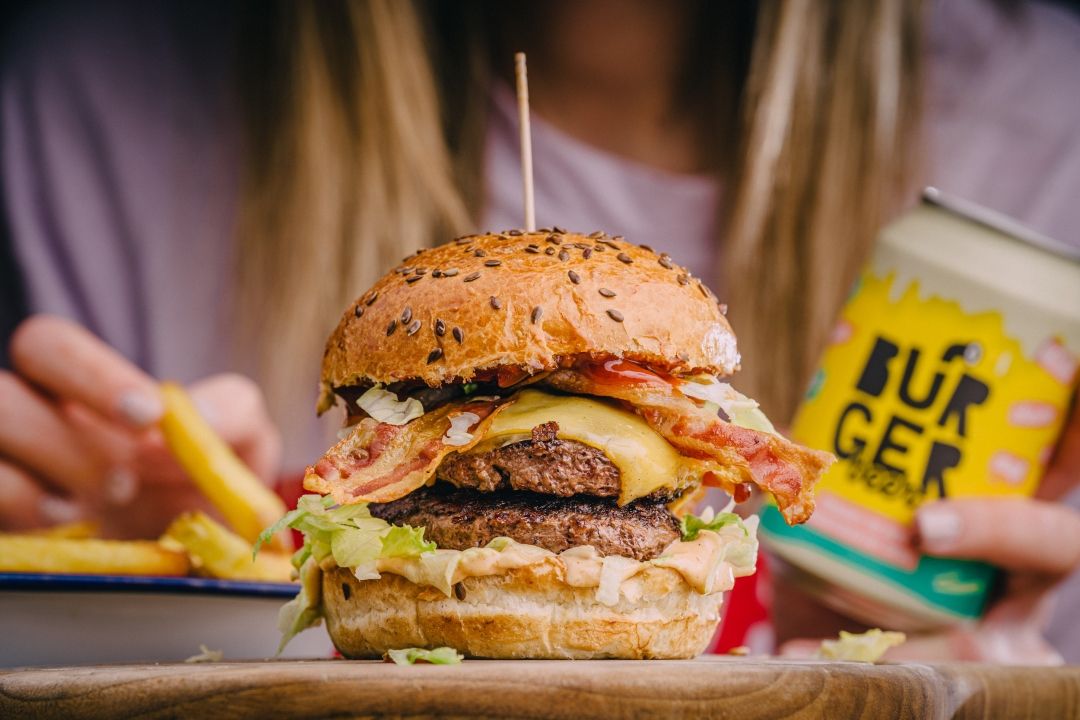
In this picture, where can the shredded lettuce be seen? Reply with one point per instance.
(351, 537)
(869, 646)
(384, 406)
(438, 656)
(693, 524)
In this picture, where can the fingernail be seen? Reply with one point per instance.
(939, 528)
(140, 408)
(58, 511)
(121, 486)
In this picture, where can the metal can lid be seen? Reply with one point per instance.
(998, 221)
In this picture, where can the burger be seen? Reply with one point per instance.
(531, 417)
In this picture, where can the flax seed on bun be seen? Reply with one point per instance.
(527, 299)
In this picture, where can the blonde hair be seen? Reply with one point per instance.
(346, 171)
(348, 166)
(830, 120)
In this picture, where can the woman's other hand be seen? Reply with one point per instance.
(78, 437)
(1036, 541)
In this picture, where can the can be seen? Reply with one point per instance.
(949, 374)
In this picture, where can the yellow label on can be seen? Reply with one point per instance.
(921, 400)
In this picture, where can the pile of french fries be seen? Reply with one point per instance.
(194, 543)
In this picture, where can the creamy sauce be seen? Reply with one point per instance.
(703, 563)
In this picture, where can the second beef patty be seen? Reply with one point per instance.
(458, 519)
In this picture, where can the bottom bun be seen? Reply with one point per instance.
(528, 612)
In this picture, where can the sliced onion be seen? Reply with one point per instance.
(385, 407)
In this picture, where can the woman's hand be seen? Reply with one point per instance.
(1036, 541)
(78, 437)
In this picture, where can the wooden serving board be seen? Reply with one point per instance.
(737, 688)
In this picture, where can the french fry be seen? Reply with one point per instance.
(34, 553)
(220, 553)
(79, 530)
(245, 503)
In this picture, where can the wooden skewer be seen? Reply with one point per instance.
(526, 140)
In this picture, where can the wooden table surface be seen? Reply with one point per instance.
(741, 688)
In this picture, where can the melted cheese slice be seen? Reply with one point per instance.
(646, 461)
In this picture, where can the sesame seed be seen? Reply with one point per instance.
(371, 298)
(586, 253)
(358, 311)
(598, 247)
(436, 273)
(646, 247)
(480, 253)
(563, 255)
(532, 249)
(574, 277)
(723, 308)
(607, 293)
(414, 278)
(450, 273)
(597, 234)
(664, 262)
(623, 257)
(683, 280)
(495, 304)
(463, 239)
(492, 263)
(610, 244)
(406, 270)
(549, 251)
(406, 316)
(558, 229)
(703, 290)
(414, 326)
(391, 328)
(537, 313)
(515, 233)
(440, 327)
(420, 270)
(434, 355)
(458, 334)
(471, 276)
(615, 315)
(617, 237)
(554, 239)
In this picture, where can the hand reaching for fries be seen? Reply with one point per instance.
(80, 437)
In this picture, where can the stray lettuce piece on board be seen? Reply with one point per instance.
(867, 647)
(438, 656)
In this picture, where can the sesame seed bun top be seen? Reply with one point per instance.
(529, 300)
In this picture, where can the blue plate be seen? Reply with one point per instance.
(134, 583)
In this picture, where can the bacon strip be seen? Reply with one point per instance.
(785, 470)
(379, 462)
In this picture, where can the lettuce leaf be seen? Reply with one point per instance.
(438, 656)
(692, 524)
(405, 541)
(302, 611)
(860, 647)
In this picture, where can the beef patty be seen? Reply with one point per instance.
(462, 518)
(544, 464)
